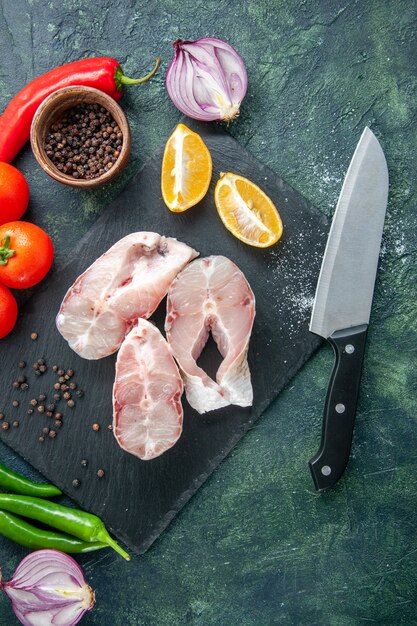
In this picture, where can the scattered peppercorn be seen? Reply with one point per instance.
(34, 336)
(60, 372)
(1, 416)
(110, 426)
(49, 414)
(57, 386)
(64, 387)
(61, 379)
(21, 379)
(55, 368)
(15, 403)
(50, 407)
(41, 439)
(100, 473)
(96, 427)
(79, 393)
(34, 402)
(22, 365)
(42, 397)
(52, 434)
(58, 423)
(72, 386)
(5, 425)
(41, 408)
(70, 373)
(30, 411)
(84, 463)
(57, 396)
(16, 424)
(38, 373)
(45, 430)
(85, 142)
(24, 386)
(66, 395)
(41, 362)
(58, 416)
(15, 385)
(42, 369)
(76, 482)
(71, 403)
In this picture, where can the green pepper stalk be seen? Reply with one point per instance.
(81, 524)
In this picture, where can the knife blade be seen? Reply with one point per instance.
(343, 299)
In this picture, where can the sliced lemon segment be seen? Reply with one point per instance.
(186, 169)
(247, 211)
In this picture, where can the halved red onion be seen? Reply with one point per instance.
(48, 587)
(207, 79)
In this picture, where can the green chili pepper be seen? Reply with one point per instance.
(11, 481)
(81, 524)
(19, 531)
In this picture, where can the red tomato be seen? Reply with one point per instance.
(8, 311)
(27, 252)
(14, 193)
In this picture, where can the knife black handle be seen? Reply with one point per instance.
(328, 465)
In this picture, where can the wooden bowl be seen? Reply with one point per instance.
(52, 108)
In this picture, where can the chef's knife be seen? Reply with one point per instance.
(343, 299)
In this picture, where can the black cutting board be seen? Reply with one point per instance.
(137, 499)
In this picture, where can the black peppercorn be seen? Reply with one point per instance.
(76, 482)
(77, 144)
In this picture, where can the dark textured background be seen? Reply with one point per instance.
(256, 545)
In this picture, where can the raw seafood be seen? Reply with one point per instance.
(147, 411)
(212, 295)
(126, 283)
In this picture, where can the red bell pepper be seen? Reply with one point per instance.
(103, 73)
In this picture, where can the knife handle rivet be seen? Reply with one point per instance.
(349, 348)
(340, 408)
(326, 470)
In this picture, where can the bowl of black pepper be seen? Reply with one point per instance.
(80, 136)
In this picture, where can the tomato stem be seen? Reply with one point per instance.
(5, 252)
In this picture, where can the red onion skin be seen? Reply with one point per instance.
(201, 80)
(48, 586)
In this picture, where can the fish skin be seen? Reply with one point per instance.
(211, 294)
(125, 283)
(147, 410)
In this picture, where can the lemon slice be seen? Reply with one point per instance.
(186, 169)
(247, 211)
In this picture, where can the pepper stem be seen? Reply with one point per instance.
(5, 252)
(121, 79)
(104, 536)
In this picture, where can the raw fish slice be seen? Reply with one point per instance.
(147, 411)
(126, 283)
(212, 295)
